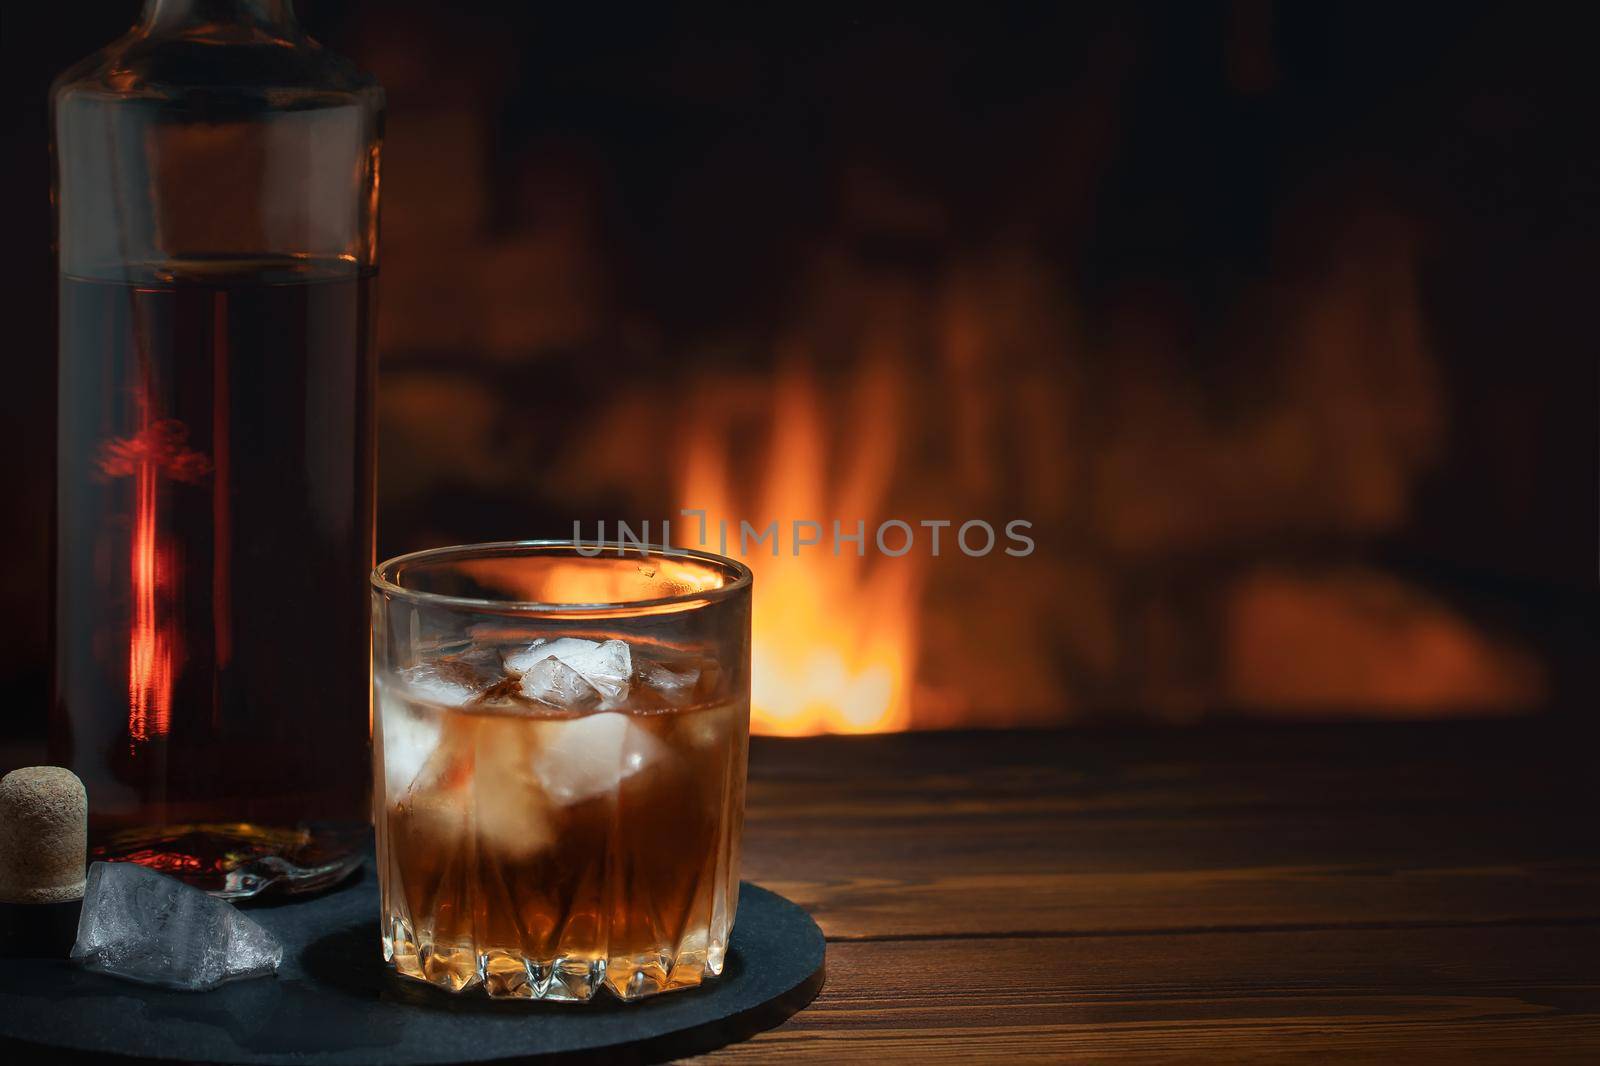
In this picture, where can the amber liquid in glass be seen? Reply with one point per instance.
(547, 855)
(214, 534)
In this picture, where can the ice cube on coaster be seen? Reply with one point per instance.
(147, 927)
(605, 665)
(580, 758)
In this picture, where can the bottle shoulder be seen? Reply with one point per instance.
(270, 71)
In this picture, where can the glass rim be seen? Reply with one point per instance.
(382, 580)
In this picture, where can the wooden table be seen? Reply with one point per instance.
(1383, 892)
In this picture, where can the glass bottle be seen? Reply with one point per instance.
(216, 195)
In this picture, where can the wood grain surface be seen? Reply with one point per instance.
(1374, 892)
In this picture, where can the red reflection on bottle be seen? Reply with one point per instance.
(158, 450)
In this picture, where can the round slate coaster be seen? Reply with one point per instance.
(334, 1001)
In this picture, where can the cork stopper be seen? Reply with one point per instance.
(44, 835)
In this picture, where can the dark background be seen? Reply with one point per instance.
(1274, 318)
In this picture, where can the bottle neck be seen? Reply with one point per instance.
(165, 15)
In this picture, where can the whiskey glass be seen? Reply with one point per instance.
(560, 736)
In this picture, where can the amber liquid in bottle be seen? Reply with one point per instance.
(215, 474)
(216, 178)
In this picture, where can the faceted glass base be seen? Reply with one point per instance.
(236, 860)
(563, 979)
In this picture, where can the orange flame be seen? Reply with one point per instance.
(834, 640)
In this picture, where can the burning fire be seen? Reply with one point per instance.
(834, 639)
